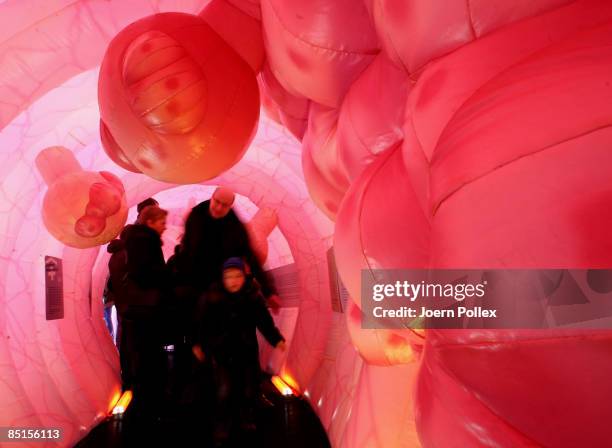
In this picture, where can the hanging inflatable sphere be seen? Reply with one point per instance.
(114, 151)
(177, 103)
(82, 208)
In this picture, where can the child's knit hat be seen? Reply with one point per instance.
(234, 262)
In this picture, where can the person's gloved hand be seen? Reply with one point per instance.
(198, 353)
(273, 302)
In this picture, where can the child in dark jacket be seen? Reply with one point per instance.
(227, 318)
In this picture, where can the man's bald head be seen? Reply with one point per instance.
(221, 202)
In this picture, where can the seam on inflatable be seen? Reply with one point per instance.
(170, 98)
(525, 58)
(418, 335)
(327, 174)
(470, 19)
(534, 340)
(353, 127)
(363, 191)
(234, 5)
(193, 155)
(424, 206)
(172, 95)
(267, 89)
(481, 403)
(416, 137)
(92, 16)
(144, 78)
(42, 19)
(322, 175)
(390, 40)
(288, 115)
(371, 52)
(516, 159)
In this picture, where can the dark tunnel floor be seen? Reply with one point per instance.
(280, 422)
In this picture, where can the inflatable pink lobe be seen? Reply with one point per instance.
(81, 208)
(289, 110)
(325, 176)
(500, 138)
(437, 28)
(226, 17)
(371, 118)
(316, 48)
(177, 103)
(259, 228)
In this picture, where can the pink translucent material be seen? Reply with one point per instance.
(434, 134)
(225, 18)
(287, 109)
(259, 229)
(365, 241)
(60, 55)
(326, 178)
(438, 27)
(317, 48)
(478, 196)
(372, 115)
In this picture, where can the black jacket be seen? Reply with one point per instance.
(182, 303)
(117, 268)
(226, 324)
(145, 259)
(208, 242)
(117, 264)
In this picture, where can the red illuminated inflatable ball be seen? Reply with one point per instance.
(81, 208)
(177, 103)
(114, 151)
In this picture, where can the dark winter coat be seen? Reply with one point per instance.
(145, 259)
(208, 242)
(226, 324)
(146, 282)
(182, 303)
(117, 268)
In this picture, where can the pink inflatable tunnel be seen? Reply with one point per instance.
(358, 135)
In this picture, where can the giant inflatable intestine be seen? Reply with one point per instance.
(433, 134)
